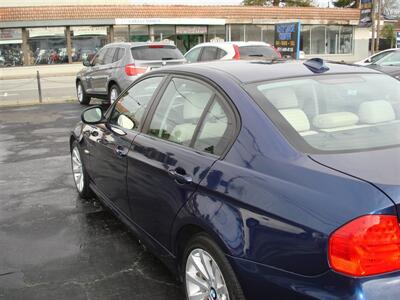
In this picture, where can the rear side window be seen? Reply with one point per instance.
(119, 53)
(221, 53)
(258, 51)
(129, 110)
(156, 52)
(209, 53)
(108, 57)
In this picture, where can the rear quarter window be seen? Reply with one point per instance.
(156, 53)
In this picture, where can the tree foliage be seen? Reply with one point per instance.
(300, 3)
(389, 33)
(346, 3)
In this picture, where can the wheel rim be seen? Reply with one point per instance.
(204, 279)
(79, 92)
(113, 95)
(77, 169)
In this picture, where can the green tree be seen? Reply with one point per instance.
(261, 2)
(299, 3)
(389, 33)
(347, 3)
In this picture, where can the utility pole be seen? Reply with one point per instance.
(373, 27)
(378, 25)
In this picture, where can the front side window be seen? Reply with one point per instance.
(99, 58)
(180, 110)
(392, 59)
(108, 58)
(193, 56)
(348, 112)
(129, 110)
(379, 56)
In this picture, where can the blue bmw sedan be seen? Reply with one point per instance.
(255, 180)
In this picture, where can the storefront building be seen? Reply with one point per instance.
(68, 34)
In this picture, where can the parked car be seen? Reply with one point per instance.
(375, 57)
(232, 50)
(390, 64)
(117, 65)
(255, 180)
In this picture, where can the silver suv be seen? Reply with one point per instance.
(117, 65)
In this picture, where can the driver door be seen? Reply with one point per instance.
(111, 142)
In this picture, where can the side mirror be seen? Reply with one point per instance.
(93, 115)
(86, 63)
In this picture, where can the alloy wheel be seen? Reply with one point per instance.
(203, 277)
(77, 169)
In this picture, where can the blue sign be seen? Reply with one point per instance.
(287, 39)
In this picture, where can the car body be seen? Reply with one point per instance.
(117, 65)
(235, 160)
(231, 50)
(375, 57)
(389, 64)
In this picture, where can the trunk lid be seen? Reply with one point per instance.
(381, 168)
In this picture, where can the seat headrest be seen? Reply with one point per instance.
(282, 97)
(296, 118)
(194, 105)
(378, 111)
(336, 119)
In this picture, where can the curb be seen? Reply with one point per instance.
(16, 103)
(42, 75)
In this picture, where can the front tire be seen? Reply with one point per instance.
(79, 173)
(113, 93)
(83, 98)
(207, 273)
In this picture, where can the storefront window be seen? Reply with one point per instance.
(86, 41)
(47, 45)
(121, 33)
(332, 39)
(164, 32)
(139, 33)
(318, 43)
(237, 32)
(216, 33)
(253, 33)
(10, 47)
(305, 40)
(346, 39)
(268, 34)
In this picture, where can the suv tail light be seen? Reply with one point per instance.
(132, 70)
(368, 245)
(237, 53)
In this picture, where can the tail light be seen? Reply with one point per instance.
(132, 70)
(156, 46)
(366, 246)
(277, 52)
(237, 53)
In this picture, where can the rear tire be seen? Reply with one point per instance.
(113, 93)
(81, 177)
(207, 273)
(83, 98)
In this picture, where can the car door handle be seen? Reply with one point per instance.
(121, 151)
(180, 178)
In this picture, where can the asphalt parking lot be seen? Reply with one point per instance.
(54, 245)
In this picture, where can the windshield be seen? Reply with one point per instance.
(350, 112)
(156, 53)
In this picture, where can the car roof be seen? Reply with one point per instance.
(138, 44)
(238, 43)
(253, 71)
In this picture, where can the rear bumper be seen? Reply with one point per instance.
(260, 282)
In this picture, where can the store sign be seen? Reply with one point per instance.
(366, 13)
(46, 31)
(89, 30)
(10, 34)
(170, 21)
(191, 29)
(287, 39)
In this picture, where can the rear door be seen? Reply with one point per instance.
(186, 132)
(111, 141)
(154, 56)
(103, 72)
